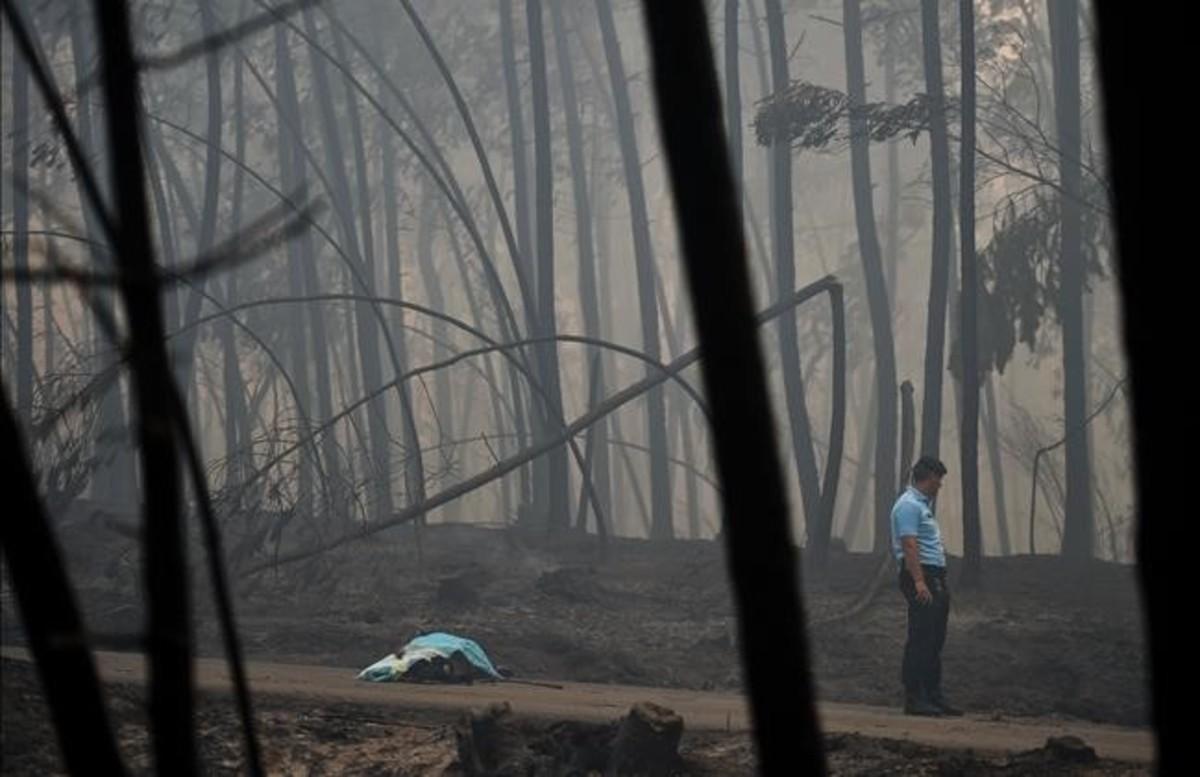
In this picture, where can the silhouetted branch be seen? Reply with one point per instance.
(244, 247)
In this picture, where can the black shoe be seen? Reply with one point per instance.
(919, 705)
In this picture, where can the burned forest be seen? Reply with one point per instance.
(489, 387)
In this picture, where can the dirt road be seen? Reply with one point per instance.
(589, 702)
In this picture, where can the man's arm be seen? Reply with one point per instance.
(912, 562)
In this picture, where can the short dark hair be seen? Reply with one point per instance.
(926, 468)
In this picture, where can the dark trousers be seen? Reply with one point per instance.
(922, 669)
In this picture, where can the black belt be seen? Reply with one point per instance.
(928, 569)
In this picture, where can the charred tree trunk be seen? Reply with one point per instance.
(969, 337)
(588, 296)
(1079, 531)
(558, 509)
(877, 296)
(168, 233)
(516, 134)
(908, 434)
(891, 266)
(785, 280)
(604, 295)
(662, 525)
(173, 200)
(206, 236)
(939, 155)
(733, 93)
(414, 469)
(237, 433)
(516, 130)
(761, 58)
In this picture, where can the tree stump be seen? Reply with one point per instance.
(1070, 749)
(489, 742)
(647, 742)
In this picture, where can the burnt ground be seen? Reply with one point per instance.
(1036, 641)
(300, 736)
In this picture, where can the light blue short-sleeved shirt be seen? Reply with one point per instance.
(912, 516)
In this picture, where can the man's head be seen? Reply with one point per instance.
(927, 475)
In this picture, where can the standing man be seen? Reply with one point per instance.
(917, 547)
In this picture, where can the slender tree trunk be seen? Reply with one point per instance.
(1079, 532)
(785, 279)
(908, 434)
(690, 450)
(168, 235)
(237, 433)
(521, 209)
(558, 515)
(877, 296)
(761, 62)
(588, 295)
(516, 134)
(891, 265)
(939, 154)
(991, 426)
(733, 123)
(589, 450)
(969, 337)
(733, 93)
(414, 469)
(184, 363)
(662, 526)
(604, 295)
